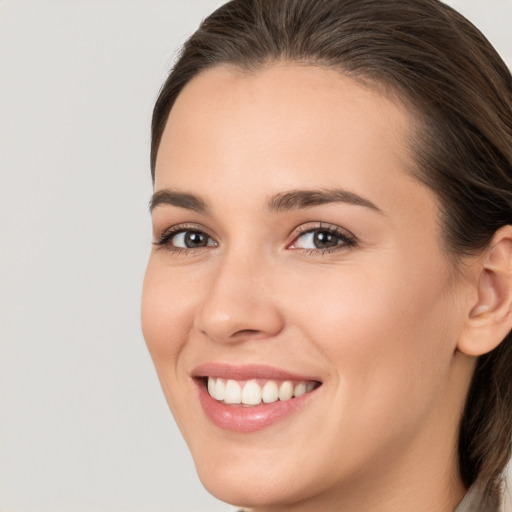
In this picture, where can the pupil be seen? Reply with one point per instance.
(195, 239)
(324, 239)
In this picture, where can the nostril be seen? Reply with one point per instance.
(245, 332)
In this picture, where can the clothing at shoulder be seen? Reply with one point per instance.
(470, 503)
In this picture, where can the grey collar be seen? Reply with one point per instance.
(471, 502)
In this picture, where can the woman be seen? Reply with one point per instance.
(328, 301)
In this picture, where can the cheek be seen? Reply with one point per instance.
(387, 332)
(166, 324)
(166, 318)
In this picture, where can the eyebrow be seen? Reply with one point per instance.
(179, 199)
(284, 201)
(299, 199)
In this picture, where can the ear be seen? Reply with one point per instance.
(490, 318)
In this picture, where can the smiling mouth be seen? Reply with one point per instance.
(254, 392)
(250, 398)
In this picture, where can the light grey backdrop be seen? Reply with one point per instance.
(83, 423)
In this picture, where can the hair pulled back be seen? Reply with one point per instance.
(461, 92)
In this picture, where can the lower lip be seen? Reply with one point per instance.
(237, 418)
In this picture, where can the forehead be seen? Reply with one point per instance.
(284, 124)
(296, 108)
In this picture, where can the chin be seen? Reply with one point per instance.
(250, 475)
(250, 486)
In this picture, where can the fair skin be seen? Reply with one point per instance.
(375, 320)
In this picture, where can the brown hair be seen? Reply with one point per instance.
(461, 90)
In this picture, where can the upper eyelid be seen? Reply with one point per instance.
(185, 226)
(333, 228)
(302, 227)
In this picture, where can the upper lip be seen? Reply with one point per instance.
(247, 372)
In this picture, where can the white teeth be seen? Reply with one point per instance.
(285, 390)
(300, 389)
(211, 387)
(220, 387)
(251, 394)
(233, 392)
(269, 392)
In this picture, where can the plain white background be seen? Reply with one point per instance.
(83, 423)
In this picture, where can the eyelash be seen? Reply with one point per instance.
(164, 240)
(347, 240)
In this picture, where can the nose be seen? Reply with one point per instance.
(239, 303)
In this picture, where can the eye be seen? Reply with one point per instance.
(180, 239)
(323, 238)
(190, 239)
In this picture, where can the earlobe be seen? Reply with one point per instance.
(490, 318)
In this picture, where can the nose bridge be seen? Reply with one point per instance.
(239, 300)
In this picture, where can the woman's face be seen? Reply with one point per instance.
(296, 254)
